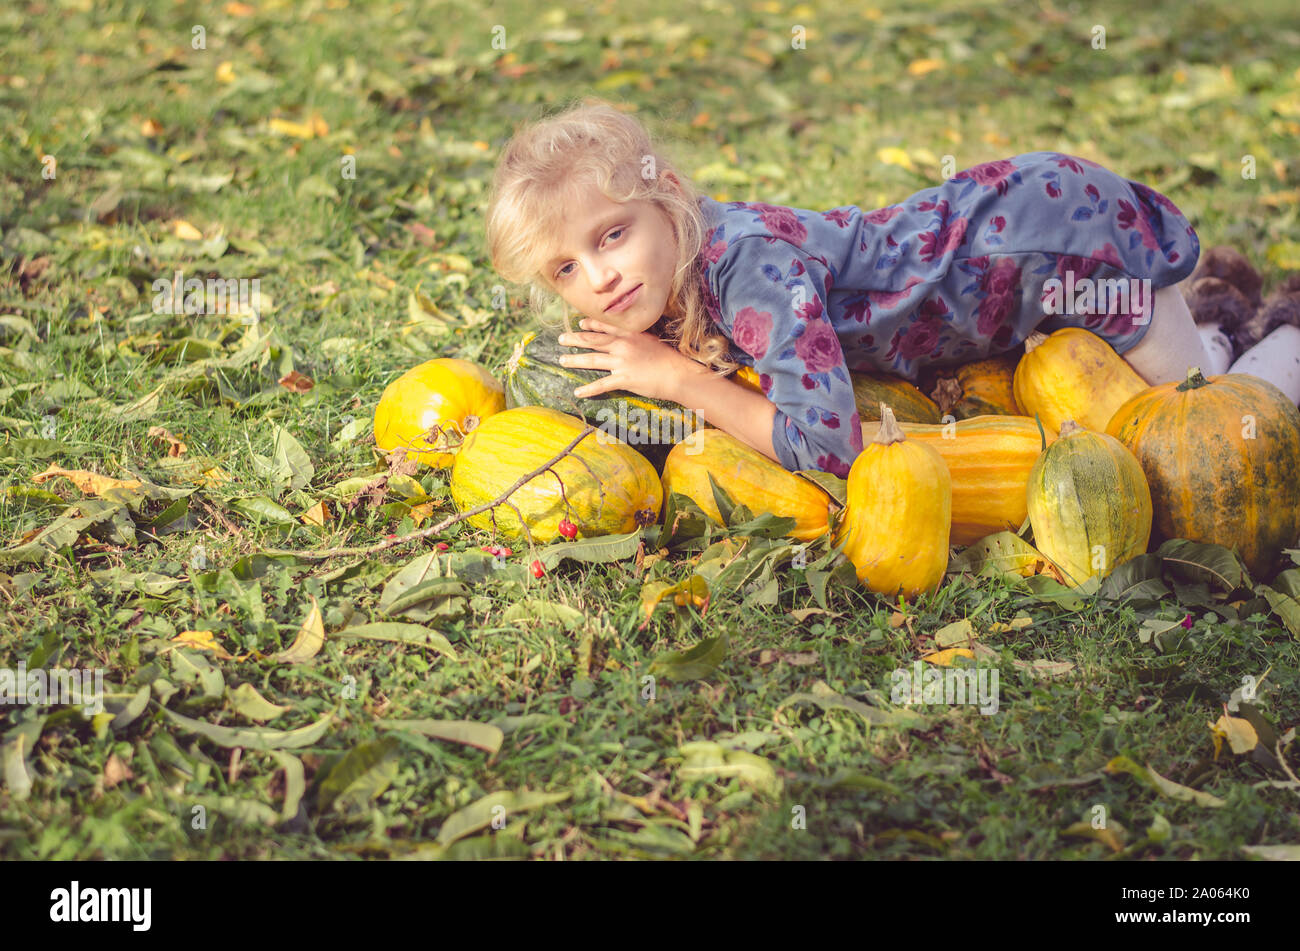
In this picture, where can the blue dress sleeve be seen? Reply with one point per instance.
(772, 296)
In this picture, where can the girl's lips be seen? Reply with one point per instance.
(624, 301)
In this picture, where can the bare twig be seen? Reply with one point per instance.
(447, 522)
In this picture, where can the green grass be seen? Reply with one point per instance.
(410, 90)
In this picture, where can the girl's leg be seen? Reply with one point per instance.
(1171, 344)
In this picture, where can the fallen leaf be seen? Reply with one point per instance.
(296, 130)
(186, 231)
(115, 771)
(295, 382)
(150, 128)
(946, 658)
(201, 641)
(919, 67)
(318, 514)
(175, 447)
(92, 483)
(1112, 836)
(310, 639)
(1166, 787)
(1239, 733)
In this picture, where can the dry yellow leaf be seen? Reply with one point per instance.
(213, 476)
(201, 641)
(318, 514)
(892, 155)
(297, 130)
(92, 483)
(186, 231)
(175, 447)
(319, 126)
(236, 9)
(919, 67)
(945, 658)
(1239, 733)
(150, 128)
(310, 639)
(419, 513)
(1281, 199)
(226, 72)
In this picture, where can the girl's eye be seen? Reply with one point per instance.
(562, 272)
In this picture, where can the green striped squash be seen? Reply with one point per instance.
(908, 403)
(535, 377)
(1089, 504)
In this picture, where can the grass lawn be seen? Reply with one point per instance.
(339, 153)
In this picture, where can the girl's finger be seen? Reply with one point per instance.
(587, 361)
(596, 387)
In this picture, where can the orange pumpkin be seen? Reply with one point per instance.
(1222, 457)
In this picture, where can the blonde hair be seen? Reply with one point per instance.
(593, 143)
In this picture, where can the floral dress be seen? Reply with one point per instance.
(952, 274)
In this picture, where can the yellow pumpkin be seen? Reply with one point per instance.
(1073, 374)
(604, 486)
(897, 516)
(989, 459)
(448, 392)
(749, 477)
(980, 388)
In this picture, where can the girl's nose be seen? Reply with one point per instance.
(601, 275)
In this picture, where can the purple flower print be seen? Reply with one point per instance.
(1001, 279)
(1081, 267)
(1073, 163)
(893, 298)
(990, 174)
(921, 338)
(818, 347)
(993, 311)
(781, 222)
(882, 216)
(1131, 217)
(950, 234)
(752, 331)
(840, 216)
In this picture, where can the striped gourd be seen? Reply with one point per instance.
(1089, 504)
(989, 459)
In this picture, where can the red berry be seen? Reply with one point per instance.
(538, 570)
(567, 528)
(442, 546)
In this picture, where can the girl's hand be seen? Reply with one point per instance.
(640, 363)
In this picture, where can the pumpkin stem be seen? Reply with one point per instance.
(1069, 426)
(947, 393)
(1035, 339)
(889, 432)
(513, 363)
(1195, 380)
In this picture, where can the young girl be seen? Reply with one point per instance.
(677, 290)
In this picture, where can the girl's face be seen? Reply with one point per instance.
(605, 250)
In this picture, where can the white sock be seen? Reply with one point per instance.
(1276, 359)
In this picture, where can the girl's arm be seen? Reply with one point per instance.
(729, 406)
(773, 296)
